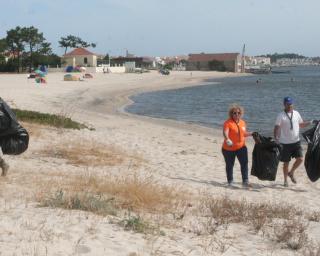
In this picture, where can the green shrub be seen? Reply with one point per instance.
(59, 121)
(81, 201)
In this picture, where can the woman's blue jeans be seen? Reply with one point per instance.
(230, 156)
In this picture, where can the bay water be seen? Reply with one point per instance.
(260, 95)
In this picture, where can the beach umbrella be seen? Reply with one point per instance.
(43, 69)
(40, 73)
(69, 69)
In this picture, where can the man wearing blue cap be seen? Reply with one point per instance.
(286, 132)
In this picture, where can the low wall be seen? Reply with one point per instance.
(111, 69)
(93, 69)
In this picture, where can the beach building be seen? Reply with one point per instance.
(79, 57)
(176, 62)
(257, 60)
(132, 63)
(214, 61)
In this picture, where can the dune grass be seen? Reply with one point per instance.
(60, 121)
(130, 192)
(81, 201)
(111, 195)
(87, 153)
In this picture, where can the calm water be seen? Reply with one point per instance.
(207, 105)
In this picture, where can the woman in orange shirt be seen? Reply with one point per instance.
(234, 132)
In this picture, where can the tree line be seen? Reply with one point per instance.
(25, 48)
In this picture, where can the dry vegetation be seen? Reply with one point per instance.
(128, 191)
(292, 233)
(88, 153)
(311, 250)
(136, 194)
(34, 130)
(284, 224)
(132, 195)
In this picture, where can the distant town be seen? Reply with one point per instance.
(25, 48)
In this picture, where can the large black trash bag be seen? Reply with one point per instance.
(15, 144)
(265, 157)
(14, 139)
(312, 157)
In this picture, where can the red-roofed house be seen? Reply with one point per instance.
(80, 57)
(202, 61)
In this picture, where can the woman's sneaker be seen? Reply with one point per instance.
(285, 184)
(230, 183)
(246, 184)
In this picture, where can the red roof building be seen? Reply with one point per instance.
(80, 57)
(78, 52)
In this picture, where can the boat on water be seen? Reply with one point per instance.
(258, 70)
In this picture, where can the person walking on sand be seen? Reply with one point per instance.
(234, 133)
(286, 132)
(4, 166)
(4, 124)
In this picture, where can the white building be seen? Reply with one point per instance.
(258, 61)
(79, 57)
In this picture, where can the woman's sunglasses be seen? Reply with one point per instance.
(236, 113)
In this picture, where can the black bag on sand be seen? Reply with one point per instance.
(265, 157)
(312, 157)
(14, 139)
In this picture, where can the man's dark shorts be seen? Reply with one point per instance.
(289, 151)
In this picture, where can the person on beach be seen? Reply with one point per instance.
(234, 133)
(4, 166)
(4, 124)
(286, 132)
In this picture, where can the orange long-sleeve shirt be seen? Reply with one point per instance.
(237, 133)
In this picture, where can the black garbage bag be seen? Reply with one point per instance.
(15, 144)
(312, 157)
(14, 139)
(265, 157)
(4, 121)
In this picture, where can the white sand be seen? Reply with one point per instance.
(180, 154)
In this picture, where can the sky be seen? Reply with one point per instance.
(173, 27)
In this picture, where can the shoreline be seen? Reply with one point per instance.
(106, 94)
(125, 101)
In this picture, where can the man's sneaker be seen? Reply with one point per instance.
(292, 178)
(5, 168)
(285, 184)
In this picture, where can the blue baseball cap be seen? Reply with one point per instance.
(287, 100)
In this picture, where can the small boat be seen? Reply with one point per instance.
(258, 70)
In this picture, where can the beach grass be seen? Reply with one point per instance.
(87, 153)
(132, 192)
(81, 201)
(139, 225)
(137, 194)
(59, 121)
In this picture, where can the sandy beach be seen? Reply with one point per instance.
(183, 156)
